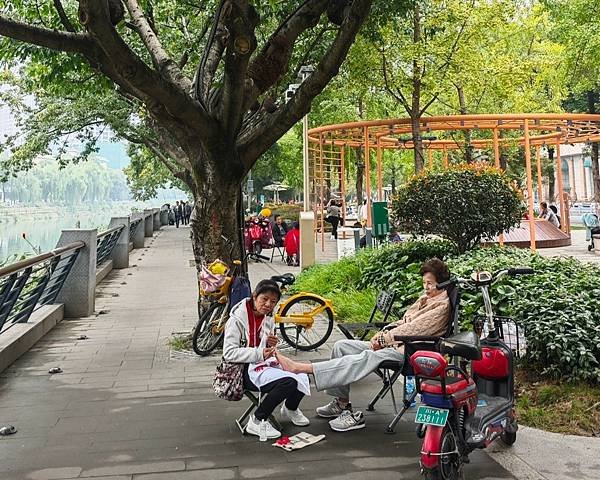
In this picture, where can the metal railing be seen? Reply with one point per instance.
(29, 284)
(133, 226)
(106, 243)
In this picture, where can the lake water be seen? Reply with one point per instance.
(44, 232)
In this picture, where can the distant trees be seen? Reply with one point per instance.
(88, 182)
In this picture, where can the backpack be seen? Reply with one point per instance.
(240, 289)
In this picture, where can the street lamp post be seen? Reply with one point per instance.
(307, 244)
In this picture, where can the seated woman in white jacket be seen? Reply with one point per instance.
(249, 339)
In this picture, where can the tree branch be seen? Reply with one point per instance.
(241, 43)
(64, 19)
(398, 95)
(254, 143)
(267, 68)
(213, 51)
(43, 37)
(162, 62)
(162, 97)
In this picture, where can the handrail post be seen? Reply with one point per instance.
(156, 218)
(120, 253)
(140, 231)
(164, 217)
(148, 222)
(78, 291)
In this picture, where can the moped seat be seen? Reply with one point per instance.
(453, 385)
(464, 344)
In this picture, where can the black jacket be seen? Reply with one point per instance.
(278, 236)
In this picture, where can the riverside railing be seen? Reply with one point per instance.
(29, 284)
(133, 225)
(106, 243)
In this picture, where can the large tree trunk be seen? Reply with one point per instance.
(218, 199)
(418, 143)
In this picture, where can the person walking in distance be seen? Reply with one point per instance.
(177, 212)
(187, 212)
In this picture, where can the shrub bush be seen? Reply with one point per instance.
(464, 204)
(558, 307)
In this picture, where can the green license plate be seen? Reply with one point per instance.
(431, 416)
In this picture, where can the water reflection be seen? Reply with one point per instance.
(43, 232)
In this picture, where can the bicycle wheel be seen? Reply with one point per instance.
(210, 329)
(307, 338)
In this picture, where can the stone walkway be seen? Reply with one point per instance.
(125, 408)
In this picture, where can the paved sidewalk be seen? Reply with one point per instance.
(125, 409)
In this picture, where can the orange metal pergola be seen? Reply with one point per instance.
(327, 146)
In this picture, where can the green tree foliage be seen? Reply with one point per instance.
(463, 204)
(47, 182)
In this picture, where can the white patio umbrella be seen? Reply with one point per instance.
(276, 188)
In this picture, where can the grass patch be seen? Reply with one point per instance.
(571, 408)
(180, 341)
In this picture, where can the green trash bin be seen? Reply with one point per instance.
(381, 222)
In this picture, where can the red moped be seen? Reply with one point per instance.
(469, 405)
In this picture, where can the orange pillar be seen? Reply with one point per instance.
(539, 172)
(529, 184)
(343, 182)
(497, 163)
(379, 172)
(430, 157)
(445, 157)
(368, 175)
(561, 192)
(322, 187)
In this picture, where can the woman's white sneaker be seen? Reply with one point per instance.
(295, 416)
(262, 429)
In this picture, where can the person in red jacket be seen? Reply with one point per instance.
(292, 245)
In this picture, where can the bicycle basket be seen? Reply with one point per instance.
(508, 331)
(213, 284)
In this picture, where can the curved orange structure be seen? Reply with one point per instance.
(327, 146)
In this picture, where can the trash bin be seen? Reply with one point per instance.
(381, 222)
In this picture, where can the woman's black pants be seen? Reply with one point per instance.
(278, 390)
(334, 225)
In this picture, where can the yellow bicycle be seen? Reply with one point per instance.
(305, 319)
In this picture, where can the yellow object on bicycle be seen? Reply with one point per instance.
(218, 267)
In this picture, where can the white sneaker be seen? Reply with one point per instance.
(295, 416)
(348, 421)
(262, 429)
(332, 237)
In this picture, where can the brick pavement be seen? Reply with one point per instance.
(126, 409)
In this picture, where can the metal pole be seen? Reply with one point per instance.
(305, 165)
(343, 182)
(529, 184)
(497, 163)
(445, 157)
(430, 157)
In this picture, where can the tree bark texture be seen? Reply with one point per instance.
(464, 111)
(360, 174)
(415, 113)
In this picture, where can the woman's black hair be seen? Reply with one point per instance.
(438, 268)
(267, 286)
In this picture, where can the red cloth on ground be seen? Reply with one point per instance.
(254, 326)
(292, 242)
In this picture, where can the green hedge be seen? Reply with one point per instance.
(559, 306)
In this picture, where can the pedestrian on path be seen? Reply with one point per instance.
(178, 211)
(250, 339)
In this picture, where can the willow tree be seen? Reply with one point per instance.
(209, 122)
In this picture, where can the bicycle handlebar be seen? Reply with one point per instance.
(489, 279)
